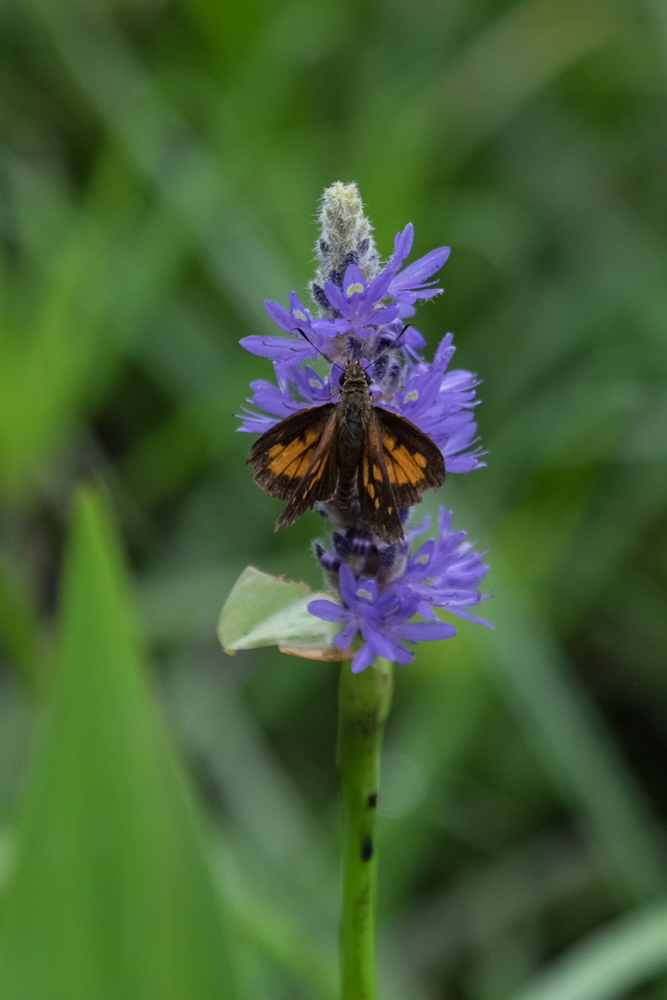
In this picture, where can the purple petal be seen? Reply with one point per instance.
(362, 659)
(329, 611)
(396, 651)
(255, 423)
(344, 639)
(466, 463)
(382, 645)
(353, 276)
(402, 246)
(472, 618)
(279, 348)
(348, 586)
(419, 631)
(300, 314)
(365, 587)
(330, 327)
(279, 315)
(335, 296)
(416, 273)
(386, 315)
(378, 286)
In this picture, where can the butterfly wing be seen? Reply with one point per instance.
(378, 504)
(399, 462)
(414, 462)
(294, 460)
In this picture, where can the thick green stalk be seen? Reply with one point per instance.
(363, 706)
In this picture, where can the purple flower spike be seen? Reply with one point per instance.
(383, 584)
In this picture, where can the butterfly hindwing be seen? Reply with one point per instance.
(281, 456)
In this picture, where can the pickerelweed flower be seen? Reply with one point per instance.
(362, 312)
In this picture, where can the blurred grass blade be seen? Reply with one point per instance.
(111, 895)
(610, 963)
(577, 749)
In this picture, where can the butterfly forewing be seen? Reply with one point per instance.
(414, 462)
(379, 507)
(281, 457)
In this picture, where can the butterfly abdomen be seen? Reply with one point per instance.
(351, 429)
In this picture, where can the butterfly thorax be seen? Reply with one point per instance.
(353, 411)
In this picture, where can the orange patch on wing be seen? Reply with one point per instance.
(316, 474)
(409, 466)
(287, 455)
(302, 467)
(376, 473)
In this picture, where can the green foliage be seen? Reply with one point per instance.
(110, 893)
(161, 166)
(610, 963)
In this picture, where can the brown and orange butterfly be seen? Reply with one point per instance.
(351, 447)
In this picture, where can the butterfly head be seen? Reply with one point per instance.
(354, 378)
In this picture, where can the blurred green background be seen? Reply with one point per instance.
(162, 162)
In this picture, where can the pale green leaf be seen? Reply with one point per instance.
(265, 610)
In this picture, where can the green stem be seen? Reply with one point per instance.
(363, 706)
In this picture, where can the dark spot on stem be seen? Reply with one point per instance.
(372, 800)
(366, 849)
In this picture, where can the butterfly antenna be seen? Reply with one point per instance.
(390, 348)
(306, 337)
(332, 363)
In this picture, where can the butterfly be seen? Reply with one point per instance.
(351, 447)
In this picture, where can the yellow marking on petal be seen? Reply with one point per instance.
(422, 559)
(365, 593)
(300, 315)
(413, 394)
(356, 287)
